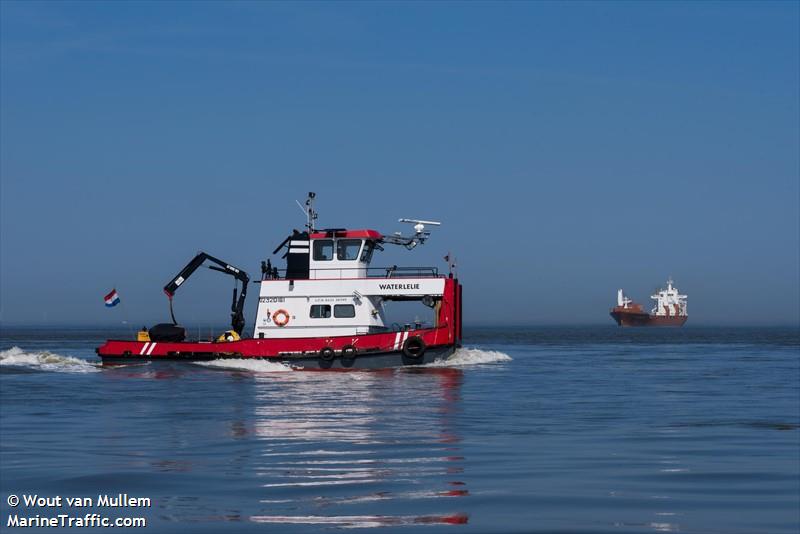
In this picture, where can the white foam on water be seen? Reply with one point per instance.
(46, 361)
(241, 364)
(465, 357)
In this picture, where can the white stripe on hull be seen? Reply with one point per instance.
(399, 339)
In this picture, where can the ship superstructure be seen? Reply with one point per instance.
(669, 302)
(670, 309)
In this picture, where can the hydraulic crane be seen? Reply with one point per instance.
(237, 304)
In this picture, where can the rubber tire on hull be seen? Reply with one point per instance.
(326, 357)
(385, 360)
(348, 355)
(414, 349)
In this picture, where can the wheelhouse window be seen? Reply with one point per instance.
(344, 310)
(347, 249)
(323, 249)
(320, 311)
(366, 254)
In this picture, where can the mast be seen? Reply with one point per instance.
(309, 211)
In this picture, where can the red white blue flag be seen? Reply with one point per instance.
(112, 299)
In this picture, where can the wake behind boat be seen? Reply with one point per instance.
(324, 310)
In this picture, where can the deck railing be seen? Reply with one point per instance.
(355, 272)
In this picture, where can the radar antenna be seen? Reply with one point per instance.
(419, 237)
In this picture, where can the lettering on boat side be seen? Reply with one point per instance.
(398, 286)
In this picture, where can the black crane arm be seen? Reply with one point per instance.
(237, 305)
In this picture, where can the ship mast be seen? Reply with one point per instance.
(309, 211)
(622, 300)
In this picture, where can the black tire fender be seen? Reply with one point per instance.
(414, 348)
(348, 352)
(327, 354)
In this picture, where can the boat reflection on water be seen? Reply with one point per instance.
(342, 449)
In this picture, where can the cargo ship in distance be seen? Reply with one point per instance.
(670, 309)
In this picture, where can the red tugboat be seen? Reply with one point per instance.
(325, 310)
(670, 309)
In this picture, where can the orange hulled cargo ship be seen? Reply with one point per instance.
(670, 309)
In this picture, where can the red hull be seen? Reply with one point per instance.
(628, 317)
(279, 349)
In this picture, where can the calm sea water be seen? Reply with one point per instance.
(530, 430)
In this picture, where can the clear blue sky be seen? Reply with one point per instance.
(569, 148)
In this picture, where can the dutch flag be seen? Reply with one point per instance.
(112, 299)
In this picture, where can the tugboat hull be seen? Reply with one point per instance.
(375, 351)
(382, 360)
